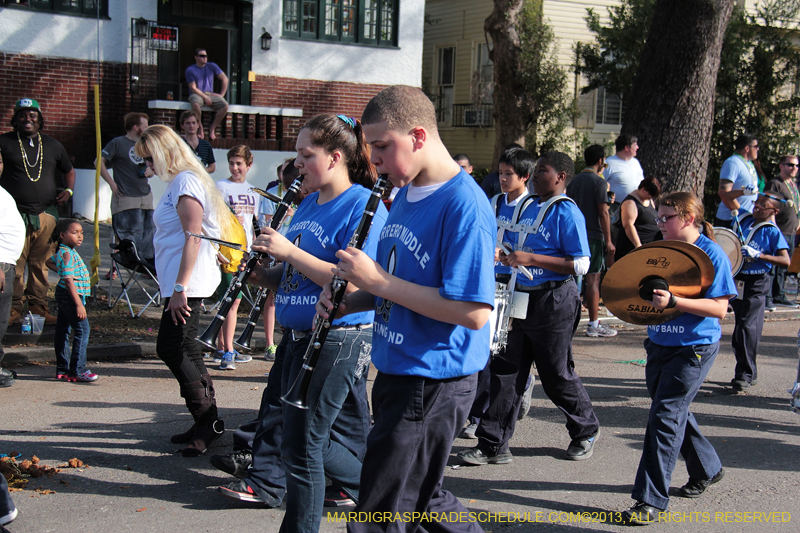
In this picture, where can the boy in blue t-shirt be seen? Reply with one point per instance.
(554, 253)
(432, 289)
(765, 248)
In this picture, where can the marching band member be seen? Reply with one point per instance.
(679, 356)
(554, 246)
(766, 247)
(334, 158)
(187, 272)
(432, 289)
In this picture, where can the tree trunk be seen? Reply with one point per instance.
(671, 108)
(511, 108)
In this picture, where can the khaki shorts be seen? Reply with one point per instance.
(217, 102)
(130, 202)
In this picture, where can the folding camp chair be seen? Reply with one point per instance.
(133, 271)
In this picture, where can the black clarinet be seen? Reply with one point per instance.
(298, 392)
(209, 336)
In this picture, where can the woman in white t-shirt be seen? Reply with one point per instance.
(187, 272)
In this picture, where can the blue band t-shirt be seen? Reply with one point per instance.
(767, 239)
(688, 329)
(323, 230)
(445, 241)
(562, 234)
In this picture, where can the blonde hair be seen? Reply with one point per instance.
(685, 204)
(171, 156)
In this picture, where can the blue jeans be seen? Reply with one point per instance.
(674, 374)
(74, 362)
(337, 402)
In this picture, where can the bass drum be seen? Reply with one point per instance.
(732, 246)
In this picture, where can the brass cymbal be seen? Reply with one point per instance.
(680, 267)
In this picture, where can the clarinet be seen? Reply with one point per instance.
(209, 336)
(297, 394)
(258, 304)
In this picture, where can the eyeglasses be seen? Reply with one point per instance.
(148, 159)
(754, 146)
(201, 55)
(663, 219)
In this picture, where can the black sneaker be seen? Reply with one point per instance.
(696, 487)
(235, 464)
(475, 457)
(739, 385)
(783, 302)
(239, 490)
(641, 514)
(580, 450)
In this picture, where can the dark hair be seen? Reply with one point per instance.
(14, 119)
(241, 150)
(62, 225)
(188, 113)
(333, 133)
(774, 199)
(593, 154)
(743, 140)
(198, 50)
(651, 185)
(289, 174)
(624, 140)
(133, 119)
(560, 162)
(521, 160)
(462, 157)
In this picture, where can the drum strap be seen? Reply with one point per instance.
(503, 226)
(753, 230)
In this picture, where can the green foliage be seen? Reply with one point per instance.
(612, 60)
(545, 82)
(756, 82)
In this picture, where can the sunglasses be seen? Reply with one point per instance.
(790, 165)
(201, 55)
(663, 219)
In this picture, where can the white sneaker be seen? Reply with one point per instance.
(600, 331)
(228, 361)
(7, 519)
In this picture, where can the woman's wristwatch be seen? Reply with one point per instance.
(179, 288)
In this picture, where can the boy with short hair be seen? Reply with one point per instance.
(553, 245)
(190, 124)
(433, 289)
(237, 194)
(764, 248)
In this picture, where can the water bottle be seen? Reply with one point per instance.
(27, 325)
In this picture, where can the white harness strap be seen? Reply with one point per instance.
(754, 229)
(502, 225)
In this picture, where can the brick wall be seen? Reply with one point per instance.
(64, 89)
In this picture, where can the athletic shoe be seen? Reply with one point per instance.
(228, 361)
(696, 487)
(86, 376)
(582, 449)
(475, 457)
(239, 490)
(269, 352)
(235, 464)
(7, 377)
(784, 302)
(468, 432)
(600, 331)
(739, 384)
(62, 376)
(8, 518)
(336, 498)
(242, 357)
(218, 357)
(769, 307)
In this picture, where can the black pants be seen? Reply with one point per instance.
(544, 337)
(416, 422)
(749, 315)
(176, 344)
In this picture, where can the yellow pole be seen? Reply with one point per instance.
(95, 262)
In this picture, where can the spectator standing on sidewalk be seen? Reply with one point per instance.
(12, 239)
(787, 220)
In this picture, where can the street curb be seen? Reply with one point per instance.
(95, 352)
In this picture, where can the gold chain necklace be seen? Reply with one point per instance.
(38, 161)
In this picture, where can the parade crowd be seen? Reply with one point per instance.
(413, 295)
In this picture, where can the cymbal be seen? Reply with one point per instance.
(680, 267)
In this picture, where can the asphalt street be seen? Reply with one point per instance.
(134, 480)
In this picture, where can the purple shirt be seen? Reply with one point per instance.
(203, 77)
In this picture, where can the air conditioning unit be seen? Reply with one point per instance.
(477, 117)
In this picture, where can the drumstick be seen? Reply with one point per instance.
(507, 251)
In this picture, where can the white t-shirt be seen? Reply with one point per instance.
(12, 230)
(244, 203)
(170, 238)
(623, 176)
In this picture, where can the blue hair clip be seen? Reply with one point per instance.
(349, 120)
